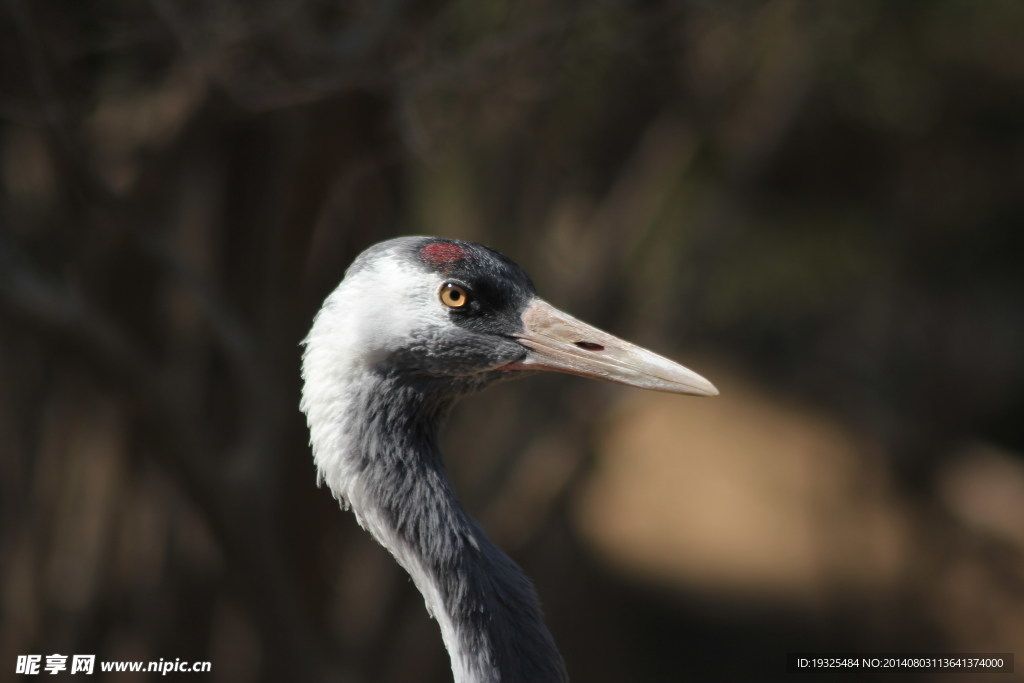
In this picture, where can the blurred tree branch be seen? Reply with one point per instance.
(825, 192)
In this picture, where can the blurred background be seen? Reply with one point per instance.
(818, 206)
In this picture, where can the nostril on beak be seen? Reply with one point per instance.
(589, 346)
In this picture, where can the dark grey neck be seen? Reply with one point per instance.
(487, 609)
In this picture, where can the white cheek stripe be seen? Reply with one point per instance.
(371, 313)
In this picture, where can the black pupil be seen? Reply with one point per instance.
(453, 293)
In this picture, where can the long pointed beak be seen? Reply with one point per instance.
(559, 342)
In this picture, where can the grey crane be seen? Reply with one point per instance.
(416, 323)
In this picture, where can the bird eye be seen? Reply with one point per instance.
(453, 295)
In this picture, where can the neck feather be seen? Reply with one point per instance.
(375, 444)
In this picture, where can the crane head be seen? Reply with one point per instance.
(459, 312)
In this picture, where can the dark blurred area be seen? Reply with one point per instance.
(819, 206)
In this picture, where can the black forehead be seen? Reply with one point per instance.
(490, 274)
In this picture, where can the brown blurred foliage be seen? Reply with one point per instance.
(822, 197)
